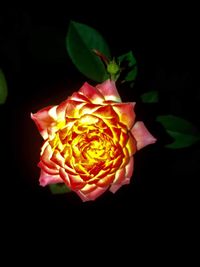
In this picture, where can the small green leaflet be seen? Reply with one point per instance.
(59, 189)
(150, 97)
(182, 131)
(129, 63)
(80, 42)
(3, 88)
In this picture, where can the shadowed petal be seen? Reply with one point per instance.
(109, 91)
(142, 135)
(46, 179)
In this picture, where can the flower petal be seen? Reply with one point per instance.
(92, 195)
(72, 108)
(109, 91)
(46, 179)
(76, 181)
(106, 112)
(43, 120)
(65, 177)
(88, 188)
(115, 187)
(142, 135)
(126, 113)
(119, 176)
(48, 170)
(106, 180)
(131, 145)
(91, 93)
(129, 168)
(79, 97)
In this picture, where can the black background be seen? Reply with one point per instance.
(163, 190)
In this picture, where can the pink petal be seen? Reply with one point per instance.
(129, 168)
(65, 177)
(119, 176)
(88, 188)
(115, 187)
(91, 93)
(109, 91)
(46, 179)
(92, 195)
(43, 120)
(123, 177)
(142, 135)
(48, 170)
(126, 113)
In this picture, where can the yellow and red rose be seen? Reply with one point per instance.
(90, 140)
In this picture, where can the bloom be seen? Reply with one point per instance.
(90, 140)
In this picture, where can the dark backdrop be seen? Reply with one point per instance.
(40, 73)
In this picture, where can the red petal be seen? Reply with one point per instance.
(76, 181)
(91, 93)
(43, 120)
(46, 179)
(109, 91)
(126, 113)
(142, 135)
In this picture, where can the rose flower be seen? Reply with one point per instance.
(90, 140)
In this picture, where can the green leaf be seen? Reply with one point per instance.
(80, 42)
(3, 88)
(150, 97)
(128, 62)
(182, 131)
(59, 189)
